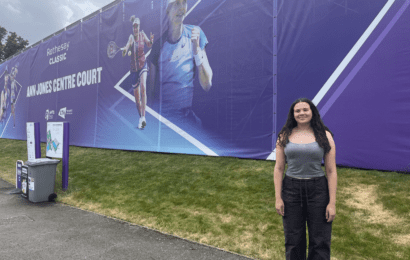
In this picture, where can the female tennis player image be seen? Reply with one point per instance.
(139, 68)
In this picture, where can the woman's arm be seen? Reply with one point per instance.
(147, 41)
(125, 49)
(278, 176)
(331, 172)
(330, 167)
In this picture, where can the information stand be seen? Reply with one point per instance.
(33, 140)
(58, 139)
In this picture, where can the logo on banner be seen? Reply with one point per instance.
(49, 114)
(64, 111)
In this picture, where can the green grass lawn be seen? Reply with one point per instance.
(226, 202)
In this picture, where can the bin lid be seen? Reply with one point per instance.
(41, 161)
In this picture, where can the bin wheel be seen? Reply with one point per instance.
(52, 197)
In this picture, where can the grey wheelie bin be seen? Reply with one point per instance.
(41, 179)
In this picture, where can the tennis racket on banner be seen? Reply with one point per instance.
(113, 49)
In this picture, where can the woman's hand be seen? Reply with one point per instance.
(330, 212)
(280, 207)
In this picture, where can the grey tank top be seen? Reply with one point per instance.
(304, 160)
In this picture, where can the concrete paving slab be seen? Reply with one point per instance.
(51, 230)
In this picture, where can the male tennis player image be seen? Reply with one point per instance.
(177, 57)
(13, 75)
(2, 107)
(4, 96)
(139, 68)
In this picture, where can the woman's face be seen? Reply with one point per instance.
(177, 11)
(302, 113)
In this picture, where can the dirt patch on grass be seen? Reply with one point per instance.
(241, 184)
(226, 218)
(403, 240)
(246, 241)
(364, 198)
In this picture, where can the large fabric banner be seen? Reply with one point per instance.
(217, 77)
(173, 76)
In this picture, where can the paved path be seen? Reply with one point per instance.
(55, 231)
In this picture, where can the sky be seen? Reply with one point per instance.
(34, 20)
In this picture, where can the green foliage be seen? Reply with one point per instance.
(10, 44)
(3, 33)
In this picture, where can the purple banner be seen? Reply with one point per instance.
(161, 76)
(217, 77)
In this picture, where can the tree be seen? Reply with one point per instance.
(3, 33)
(13, 44)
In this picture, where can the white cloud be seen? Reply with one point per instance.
(87, 7)
(36, 19)
(13, 9)
(74, 10)
(68, 14)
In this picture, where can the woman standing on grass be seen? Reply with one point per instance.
(305, 194)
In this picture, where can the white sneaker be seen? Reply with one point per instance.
(144, 122)
(140, 123)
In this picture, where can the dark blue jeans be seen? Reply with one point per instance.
(305, 202)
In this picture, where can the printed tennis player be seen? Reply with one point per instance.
(13, 75)
(2, 106)
(139, 68)
(177, 57)
(6, 89)
(4, 95)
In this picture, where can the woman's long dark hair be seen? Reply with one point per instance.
(316, 123)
